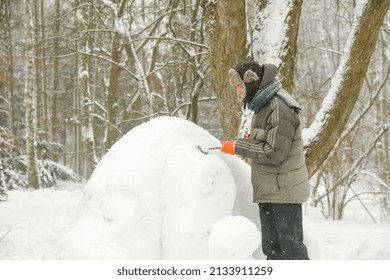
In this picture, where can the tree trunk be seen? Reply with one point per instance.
(54, 94)
(281, 49)
(45, 105)
(113, 110)
(87, 132)
(113, 99)
(38, 62)
(78, 159)
(226, 27)
(287, 69)
(88, 138)
(7, 83)
(32, 170)
(346, 85)
(2, 10)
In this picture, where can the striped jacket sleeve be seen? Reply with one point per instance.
(279, 133)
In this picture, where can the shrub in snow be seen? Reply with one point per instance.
(15, 172)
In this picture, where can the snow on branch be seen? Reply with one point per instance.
(171, 39)
(110, 61)
(375, 178)
(322, 115)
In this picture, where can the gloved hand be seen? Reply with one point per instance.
(227, 147)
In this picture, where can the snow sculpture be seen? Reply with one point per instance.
(154, 195)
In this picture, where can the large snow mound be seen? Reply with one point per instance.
(154, 195)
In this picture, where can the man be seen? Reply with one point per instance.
(279, 173)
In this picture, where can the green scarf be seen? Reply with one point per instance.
(264, 95)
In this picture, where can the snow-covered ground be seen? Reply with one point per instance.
(357, 238)
(155, 196)
(36, 220)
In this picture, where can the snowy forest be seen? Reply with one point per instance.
(75, 76)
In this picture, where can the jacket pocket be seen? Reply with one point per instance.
(264, 181)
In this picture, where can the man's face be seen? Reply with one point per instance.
(241, 92)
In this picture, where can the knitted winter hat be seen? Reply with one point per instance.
(249, 74)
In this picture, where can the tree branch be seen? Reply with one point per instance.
(337, 107)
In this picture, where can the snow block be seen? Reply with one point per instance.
(234, 238)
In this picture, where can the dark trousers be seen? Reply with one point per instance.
(282, 231)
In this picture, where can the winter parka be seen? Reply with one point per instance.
(278, 172)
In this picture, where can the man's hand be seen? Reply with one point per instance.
(228, 147)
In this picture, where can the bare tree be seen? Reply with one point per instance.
(7, 78)
(45, 97)
(340, 181)
(346, 85)
(30, 98)
(113, 108)
(54, 101)
(87, 131)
